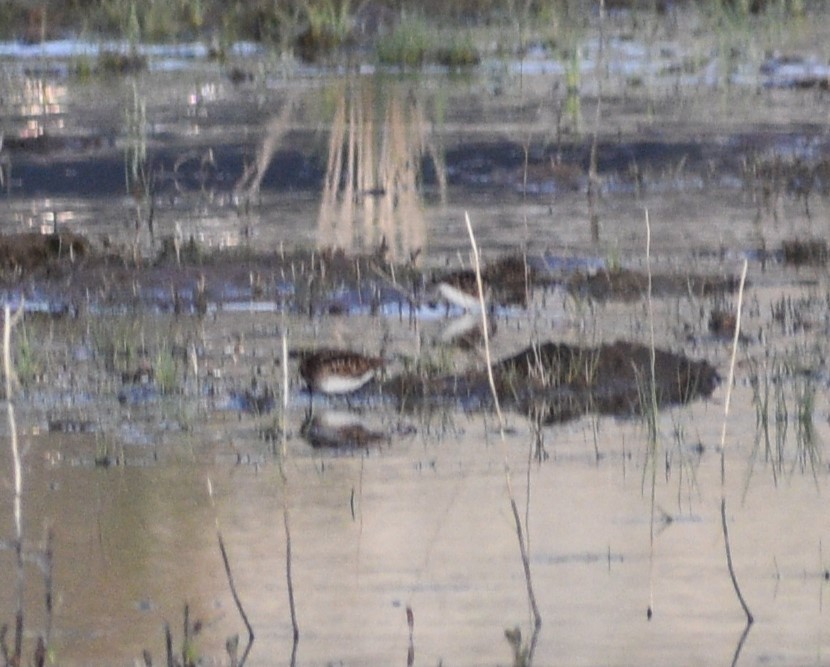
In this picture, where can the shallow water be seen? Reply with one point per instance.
(423, 520)
(425, 523)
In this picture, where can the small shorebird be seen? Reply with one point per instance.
(460, 288)
(330, 371)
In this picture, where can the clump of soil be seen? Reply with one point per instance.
(509, 279)
(805, 252)
(612, 378)
(186, 278)
(557, 382)
(722, 323)
(41, 253)
(628, 285)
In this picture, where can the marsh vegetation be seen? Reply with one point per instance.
(548, 466)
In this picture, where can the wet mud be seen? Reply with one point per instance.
(557, 381)
(40, 255)
(92, 164)
(184, 278)
(628, 285)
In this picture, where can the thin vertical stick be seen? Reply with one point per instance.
(653, 356)
(168, 645)
(484, 323)
(531, 596)
(537, 617)
(284, 417)
(285, 518)
(731, 377)
(229, 575)
(9, 322)
(726, 405)
(294, 625)
(232, 586)
(651, 411)
(48, 578)
(10, 382)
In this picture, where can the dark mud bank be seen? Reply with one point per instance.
(555, 382)
(551, 381)
(547, 383)
(93, 165)
(64, 273)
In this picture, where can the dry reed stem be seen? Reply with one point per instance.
(365, 159)
(9, 321)
(371, 190)
(326, 226)
(229, 575)
(295, 627)
(43, 559)
(284, 416)
(653, 429)
(726, 405)
(48, 580)
(484, 323)
(251, 179)
(537, 617)
(731, 376)
(347, 198)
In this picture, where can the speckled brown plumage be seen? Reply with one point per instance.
(330, 371)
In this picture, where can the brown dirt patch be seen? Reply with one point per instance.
(40, 253)
(628, 285)
(557, 382)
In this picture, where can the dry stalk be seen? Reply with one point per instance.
(327, 224)
(731, 375)
(285, 516)
(248, 184)
(484, 323)
(284, 416)
(537, 617)
(48, 566)
(371, 194)
(651, 411)
(231, 583)
(295, 628)
(726, 404)
(9, 321)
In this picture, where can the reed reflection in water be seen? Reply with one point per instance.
(372, 190)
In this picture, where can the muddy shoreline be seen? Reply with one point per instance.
(69, 273)
(556, 382)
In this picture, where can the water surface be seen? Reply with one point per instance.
(423, 520)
